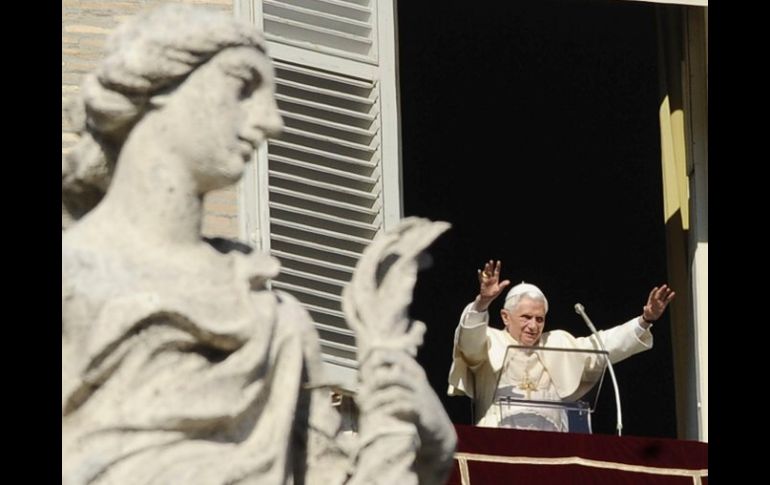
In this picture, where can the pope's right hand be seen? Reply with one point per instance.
(490, 285)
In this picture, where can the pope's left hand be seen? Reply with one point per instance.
(657, 302)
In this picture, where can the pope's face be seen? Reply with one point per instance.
(220, 114)
(525, 321)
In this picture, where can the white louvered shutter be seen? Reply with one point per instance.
(330, 183)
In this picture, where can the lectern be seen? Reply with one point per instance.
(525, 397)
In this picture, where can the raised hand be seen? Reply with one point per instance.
(490, 285)
(657, 302)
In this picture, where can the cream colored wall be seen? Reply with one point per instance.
(697, 65)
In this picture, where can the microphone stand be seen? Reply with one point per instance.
(581, 311)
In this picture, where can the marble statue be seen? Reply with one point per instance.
(179, 364)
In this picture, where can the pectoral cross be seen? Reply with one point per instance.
(528, 386)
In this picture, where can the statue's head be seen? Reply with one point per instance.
(202, 77)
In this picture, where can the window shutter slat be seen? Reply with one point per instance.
(316, 17)
(328, 155)
(312, 246)
(331, 172)
(322, 75)
(309, 230)
(327, 219)
(309, 183)
(325, 93)
(341, 144)
(324, 108)
(325, 124)
(346, 29)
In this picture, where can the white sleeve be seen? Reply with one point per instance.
(624, 340)
(472, 318)
(643, 334)
(471, 336)
(468, 352)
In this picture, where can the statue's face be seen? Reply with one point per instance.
(525, 321)
(220, 114)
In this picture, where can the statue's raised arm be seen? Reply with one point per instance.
(396, 399)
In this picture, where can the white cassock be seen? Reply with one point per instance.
(478, 359)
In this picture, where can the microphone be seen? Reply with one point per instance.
(581, 311)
